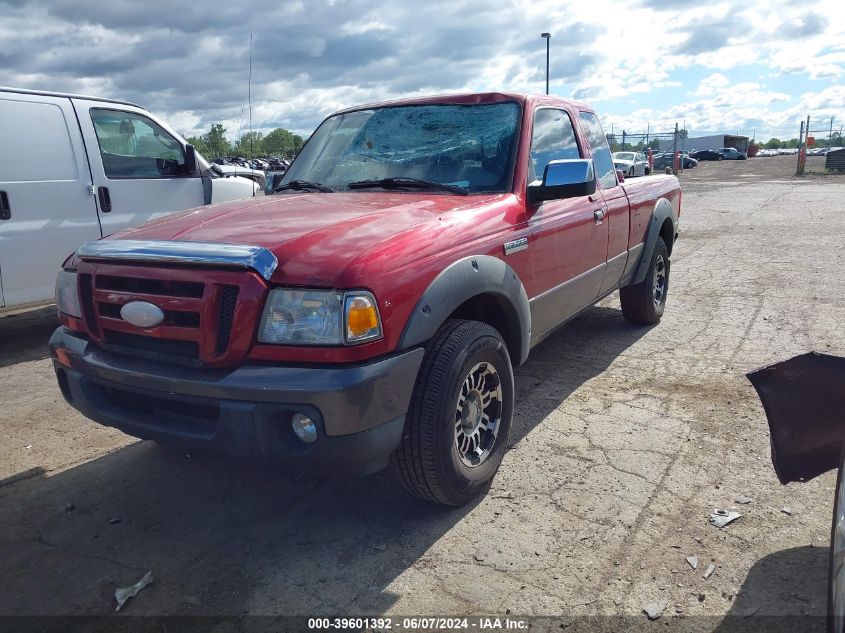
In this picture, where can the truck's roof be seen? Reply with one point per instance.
(470, 98)
(68, 95)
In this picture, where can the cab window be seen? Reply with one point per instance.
(605, 171)
(133, 146)
(553, 138)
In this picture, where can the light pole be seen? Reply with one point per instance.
(547, 37)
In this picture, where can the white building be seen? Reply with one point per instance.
(717, 141)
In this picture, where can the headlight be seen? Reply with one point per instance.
(319, 317)
(67, 295)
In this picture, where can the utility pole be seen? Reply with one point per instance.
(799, 168)
(249, 95)
(675, 151)
(547, 37)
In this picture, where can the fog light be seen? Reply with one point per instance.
(304, 428)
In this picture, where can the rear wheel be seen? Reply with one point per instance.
(644, 303)
(459, 420)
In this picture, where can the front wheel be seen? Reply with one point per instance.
(644, 303)
(459, 420)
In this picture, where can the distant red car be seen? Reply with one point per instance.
(375, 305)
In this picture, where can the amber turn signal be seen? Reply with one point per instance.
(362, 318)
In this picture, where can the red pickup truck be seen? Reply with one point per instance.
(372, 309)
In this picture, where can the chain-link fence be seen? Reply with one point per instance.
(649, 144)
(821, 147)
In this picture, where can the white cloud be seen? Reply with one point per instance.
(310, 58)
(711, 84)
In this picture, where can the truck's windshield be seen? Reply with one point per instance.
(469, 146)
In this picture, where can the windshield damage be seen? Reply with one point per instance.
(441, 148)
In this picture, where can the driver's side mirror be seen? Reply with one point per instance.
(190, 160)
(570, 178)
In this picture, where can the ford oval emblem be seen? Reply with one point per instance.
(142, 314)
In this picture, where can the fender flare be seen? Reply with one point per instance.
(662, 211)
(462, 280)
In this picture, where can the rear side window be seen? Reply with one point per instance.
(601, 151)
(133, 146)
(552, 139)
(34, 143)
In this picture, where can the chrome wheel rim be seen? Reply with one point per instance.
(659, 280)
(478, 414)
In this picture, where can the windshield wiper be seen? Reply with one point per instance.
(410, 183)
(302, 185)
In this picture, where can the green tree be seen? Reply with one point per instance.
(654, 143)
(250, 145)
(199, 145)
(282, 142)
(773, 143)
(215, 141)
(792, 143)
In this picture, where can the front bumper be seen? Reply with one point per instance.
(244, 412)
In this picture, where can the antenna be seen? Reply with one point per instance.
(249, 96)
(241, 123)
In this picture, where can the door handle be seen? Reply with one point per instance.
(5, 209)
(105, 199)
(598, 215)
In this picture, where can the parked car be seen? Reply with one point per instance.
(631, 163)
(376, 305)
(77, 168)
(661, 161)
(689, 162)
(707, 154)
(731, 153)
(272, 178)
(256, 175)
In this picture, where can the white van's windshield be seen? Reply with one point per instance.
(466, 147)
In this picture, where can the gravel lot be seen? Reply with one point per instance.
(625, 439)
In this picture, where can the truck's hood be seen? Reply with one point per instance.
(314, 235)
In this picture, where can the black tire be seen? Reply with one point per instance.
(640, 304)
(428, 459)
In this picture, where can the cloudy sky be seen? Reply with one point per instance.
(751, 66)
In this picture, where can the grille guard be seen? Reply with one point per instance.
(257, 258)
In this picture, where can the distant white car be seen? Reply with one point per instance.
(631, 163)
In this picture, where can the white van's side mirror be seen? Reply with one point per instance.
(190, 160)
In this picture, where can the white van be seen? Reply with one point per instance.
(74, 169)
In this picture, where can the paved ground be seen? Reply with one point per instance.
(625, 440)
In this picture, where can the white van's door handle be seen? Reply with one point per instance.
(105, 199)
(5, 209)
